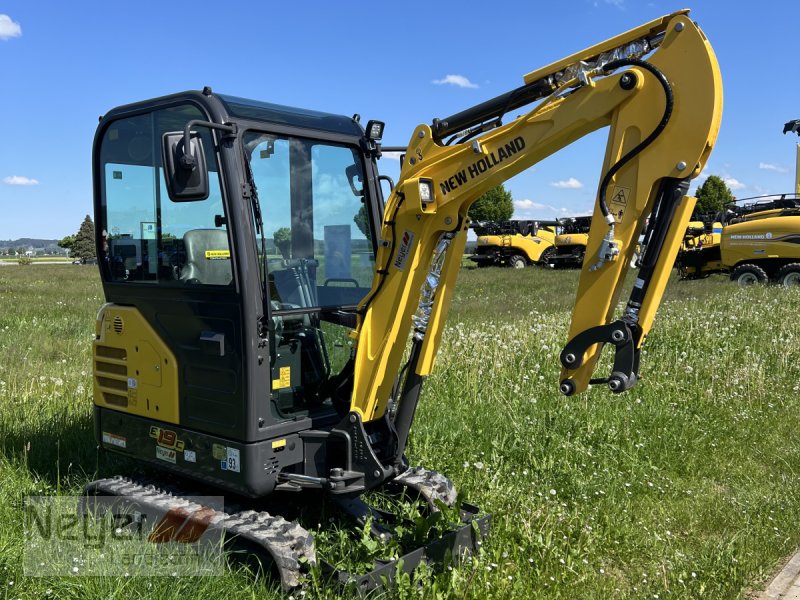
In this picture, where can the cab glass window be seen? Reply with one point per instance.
(315, 218)
(148, 238)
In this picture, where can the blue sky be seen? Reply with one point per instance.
(63, 64)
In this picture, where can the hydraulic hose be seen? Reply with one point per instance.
(670, 100)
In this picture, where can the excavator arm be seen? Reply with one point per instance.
(657, 88)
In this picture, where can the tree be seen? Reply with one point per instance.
(283, 240)
(712, 195)
(67, 242)
(362, 221)
(83, 244)
(494, 205)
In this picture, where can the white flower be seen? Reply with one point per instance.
(552, 492)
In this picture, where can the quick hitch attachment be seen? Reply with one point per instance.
(624, 373)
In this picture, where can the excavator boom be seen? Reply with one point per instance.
(657, 88)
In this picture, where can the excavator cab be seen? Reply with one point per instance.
(236, 239)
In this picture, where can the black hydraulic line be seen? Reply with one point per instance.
(670, 100)
(385, 270)
(409, 398)
(669, 195)
(492, 108)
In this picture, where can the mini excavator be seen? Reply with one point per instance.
(270, 321)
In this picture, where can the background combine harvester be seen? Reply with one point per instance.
(571, 242)
(515, 244)
(560, 243)
(755, 240)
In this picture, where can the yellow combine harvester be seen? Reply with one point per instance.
(755, 240)
(571, 242)
(515, 244)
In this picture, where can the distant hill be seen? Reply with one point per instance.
(35, 242)
(37, 246)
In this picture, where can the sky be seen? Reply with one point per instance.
(63, 64)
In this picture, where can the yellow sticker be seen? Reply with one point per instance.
(284, 380)
(218, 254)
(219, 452)
(278, 443)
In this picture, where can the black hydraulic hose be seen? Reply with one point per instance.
(385, 271)
(670, 100)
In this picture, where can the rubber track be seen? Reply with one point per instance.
(431, 485)
(287, 543)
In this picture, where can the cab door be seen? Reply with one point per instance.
(174, 263)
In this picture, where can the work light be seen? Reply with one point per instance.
(375, 130)
(425, 190)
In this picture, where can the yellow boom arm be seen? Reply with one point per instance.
(663, 109)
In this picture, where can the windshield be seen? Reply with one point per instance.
(316, 222)
(319, 259)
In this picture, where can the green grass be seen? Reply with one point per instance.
(688, 486)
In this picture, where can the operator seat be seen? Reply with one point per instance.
(208, 259)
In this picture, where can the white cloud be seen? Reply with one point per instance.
(570, 184)
(457, 80)
(530, 209)
(771, 167)
(734, 184)
(391, 155)
(9, 28)
(18, 180)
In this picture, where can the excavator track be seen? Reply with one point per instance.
(273, 539)
(289, 547)
(430, 485)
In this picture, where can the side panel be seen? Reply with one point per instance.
(134, 371)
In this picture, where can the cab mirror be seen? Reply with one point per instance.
(185, 173)
(354, 178)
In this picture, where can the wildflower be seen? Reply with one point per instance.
(552, 492)
(478, 465)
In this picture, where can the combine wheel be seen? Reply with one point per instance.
(518, 262)
(546, 259)
(789, 275)
(749, 275)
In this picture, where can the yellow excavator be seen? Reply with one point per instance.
(290, 366)
(514, 244)
(754, 240)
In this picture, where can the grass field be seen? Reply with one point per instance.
(687, 486)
